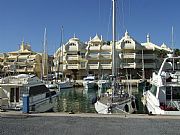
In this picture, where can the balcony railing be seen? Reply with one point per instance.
(93, 57)
(149, 65)
(145, 56)
(127, 55)
(106, 47)
(105, 56)
(95, 48)
(72, 57)
(128, 65)
(93, 66)
(105, 66)
(72, 66)
(72, 48)
(146, 65)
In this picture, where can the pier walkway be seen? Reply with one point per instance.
(87, 124)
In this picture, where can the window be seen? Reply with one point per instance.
(17, 94)
(12, 95)
(127, 42)
(173, 92)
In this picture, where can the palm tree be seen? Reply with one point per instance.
(161, 53)
(177, 52)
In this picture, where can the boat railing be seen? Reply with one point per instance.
(171, 78)
(13, 80)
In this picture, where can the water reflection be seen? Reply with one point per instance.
(76, 100)
(79, 100)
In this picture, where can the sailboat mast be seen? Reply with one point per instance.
(113, 47)
(143, 72)
(114, 38)
(45, 57)
(172, 31)
(62, 53)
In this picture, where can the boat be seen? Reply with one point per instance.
(162, 96)
(52, 86)
(114, 99)
(89, 82)
(65, 84)
(104, 83)
(13, 88)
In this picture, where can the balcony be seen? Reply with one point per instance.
(127, 55)
(145, 56)
(30, 70)
(21, 63)
(105, 66)
(105, 56)
(93, 66)
(72, 49)
(149, 65)
(93, 57)
(149, 56)
(21, 70)
(128, 65)
(71, 66)
(146, 65)
(72, 57)
(95, 48)
(106, 48)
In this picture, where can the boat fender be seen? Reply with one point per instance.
(94, 100)
(126, 108)
(133, 104)
(110, 109)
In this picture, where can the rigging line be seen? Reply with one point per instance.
(172, 38)
(121, 19)
(99, 12)
(129, 7)
(109, 22)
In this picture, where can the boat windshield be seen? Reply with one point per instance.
(153, 90)
(172, 64)
(89, 79)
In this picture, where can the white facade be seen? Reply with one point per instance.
(95, 57)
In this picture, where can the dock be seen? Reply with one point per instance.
(89, 124)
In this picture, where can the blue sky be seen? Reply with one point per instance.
(26, 20)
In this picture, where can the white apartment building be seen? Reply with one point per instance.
(22, 61)
(78, 59)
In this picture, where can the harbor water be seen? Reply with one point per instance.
(76, 100)
(79, 100)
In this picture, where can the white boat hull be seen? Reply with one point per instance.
(101, 108)
(125, 107)
(65, 85)
(44, 105)
(154, 108)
